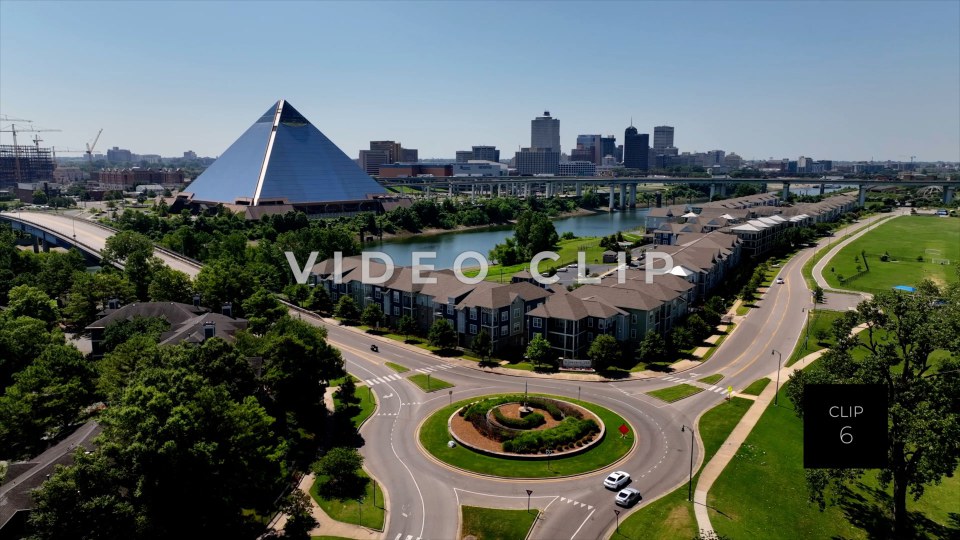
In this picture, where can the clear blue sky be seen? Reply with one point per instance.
(830, 80)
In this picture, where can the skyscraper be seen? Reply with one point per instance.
(662, 138)
(608, 146)
(636, 149)
(545, 132)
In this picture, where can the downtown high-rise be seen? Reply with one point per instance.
(545, 132)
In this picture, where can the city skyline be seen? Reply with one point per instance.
(780, 81)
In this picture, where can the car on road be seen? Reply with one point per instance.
(617, 480)
(628, 497)
(779, 281)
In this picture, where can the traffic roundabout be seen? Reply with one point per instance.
(519, 436)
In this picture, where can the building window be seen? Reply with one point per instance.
(516, 312)
(633, 334)
(589, 322)
(377, 294)
(449, 309)
(633, 318)
(537, 323)
(473, 314)
(504, 330)
(396, 296)
(516, 327)
(590, 337)
(396, 310)
(473, 329)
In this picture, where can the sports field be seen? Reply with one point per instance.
(904, 240)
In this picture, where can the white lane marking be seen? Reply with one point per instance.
(563, 499)
(713, 388)
(582, 524)
(589, 507)
(409, 536)
(398, 536)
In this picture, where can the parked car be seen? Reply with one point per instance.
(617, 480)
(628, 497)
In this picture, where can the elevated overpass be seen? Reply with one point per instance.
(548, 186)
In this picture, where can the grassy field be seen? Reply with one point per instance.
(671, 517)
(904, 239)
(434, 437)
(367, 405)
(428, 383)
(566, 249)
(756, 387)
(397, 367)
(348, 511)
(821, 320)
(496, 524)
(675, 393)
(711, 379)
(764, 485)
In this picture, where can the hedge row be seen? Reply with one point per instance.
(529, 421)
(570, 431)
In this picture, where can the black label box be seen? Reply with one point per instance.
(844, 426)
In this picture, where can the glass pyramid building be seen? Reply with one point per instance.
(283, 159)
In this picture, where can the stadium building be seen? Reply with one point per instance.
(282, 163)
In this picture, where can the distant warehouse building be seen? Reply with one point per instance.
(282, 163)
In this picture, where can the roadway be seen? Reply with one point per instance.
(423, 495)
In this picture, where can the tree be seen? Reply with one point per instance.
(339, 467)
(320, 300)
(604, 351)
(902, 333)
(818, 294)
(407, 325)
(748, 293)
(262, 309)
(534, 232)
(300, 520)
(698, 327)
(22, 339)
(121, 331)
(56, 271)
(372, 316)
(133, 250)
(347, 309)
(39, 197)
(28, 301)
(169, 285)
(482, 344)
(540, 353)
(653, 347)
(297, 293)
(442, 334)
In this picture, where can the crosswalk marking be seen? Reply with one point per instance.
(409, 537)
(563, 499)
(589, 507)
(398, 536)
(713, 388)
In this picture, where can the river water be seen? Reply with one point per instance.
(448, 245)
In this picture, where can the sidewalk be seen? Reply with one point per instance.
(729, 449)
(327, 525)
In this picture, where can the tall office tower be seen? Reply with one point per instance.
(392, 149)
(589, 148)
(662, 138)
(608, 146)
(636, 149)
(486, 153)
(463, 156)
(545, 132)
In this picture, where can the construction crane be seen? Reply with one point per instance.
(16, 150)
(91, 146)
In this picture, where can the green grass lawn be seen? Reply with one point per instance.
(756, 387)
(434, 436)
(566, 249)
(338, 382)
(820, 320)
(348, 511)
(428, 383)
(496, 524)
(397, 367)
(711, 379)
(671, 517)
(675, 393)
(367, 405)
(765, 485)
(905, 239)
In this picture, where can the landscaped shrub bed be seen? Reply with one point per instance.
(529, 421)
(569, 432)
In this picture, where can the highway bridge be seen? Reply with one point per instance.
(548, 186)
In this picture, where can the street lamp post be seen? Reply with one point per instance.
(776, 398)
(690, 481)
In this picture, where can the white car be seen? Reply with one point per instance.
(779, 281)
(617, 480)
(628, 497)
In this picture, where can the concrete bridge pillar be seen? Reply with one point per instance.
(823, 189)
(623, 195)
(633, 195)
(723, 189)
(579, 189)
(713, 191)
(36, 245)
(862, 200)
(786, 191)
(659, 199)
(46, 245)
(948, 192)
(450, 190)
(528, 190)
(612, 191)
